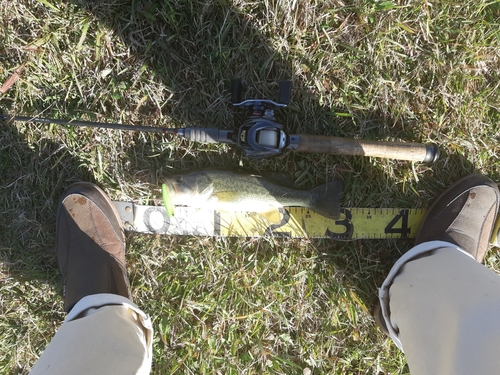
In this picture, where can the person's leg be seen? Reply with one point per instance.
(104, 332)
(439, 303)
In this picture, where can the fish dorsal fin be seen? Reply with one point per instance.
(278, 178)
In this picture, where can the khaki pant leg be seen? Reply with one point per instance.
(103, 334)
(443, 309)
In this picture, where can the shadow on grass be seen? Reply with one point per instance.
(33, 177)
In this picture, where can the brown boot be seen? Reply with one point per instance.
(464, 214)
(90, 244)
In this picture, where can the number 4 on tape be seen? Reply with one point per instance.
(402, 229)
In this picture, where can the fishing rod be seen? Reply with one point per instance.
(261, 136)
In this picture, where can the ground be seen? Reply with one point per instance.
(408, 71)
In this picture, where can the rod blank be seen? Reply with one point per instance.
(92, 124)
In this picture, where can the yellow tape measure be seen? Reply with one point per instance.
(293, 222)
(356, 223)
(353, 223)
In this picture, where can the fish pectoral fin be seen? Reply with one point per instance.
(208, 190)
(273, 215)
(226, 196)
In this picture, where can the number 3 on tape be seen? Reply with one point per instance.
(347, 227)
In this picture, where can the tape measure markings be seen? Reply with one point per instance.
(353, 223)
(298, 222)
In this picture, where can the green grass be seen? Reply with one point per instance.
(410, 71)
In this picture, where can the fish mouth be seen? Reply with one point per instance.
(172, 188)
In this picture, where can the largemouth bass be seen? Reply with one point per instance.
(226, 190)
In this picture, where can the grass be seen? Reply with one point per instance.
(402, 70)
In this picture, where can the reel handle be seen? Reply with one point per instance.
(427, 153)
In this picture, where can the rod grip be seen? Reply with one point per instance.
(206, 135)
(427, 153)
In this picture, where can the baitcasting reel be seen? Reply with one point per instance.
(261, 136)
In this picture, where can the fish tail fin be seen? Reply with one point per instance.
(326, 199)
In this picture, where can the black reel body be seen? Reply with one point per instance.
(261, 136)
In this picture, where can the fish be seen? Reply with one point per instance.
(235, 191)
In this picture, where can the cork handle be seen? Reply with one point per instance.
(344, 146)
